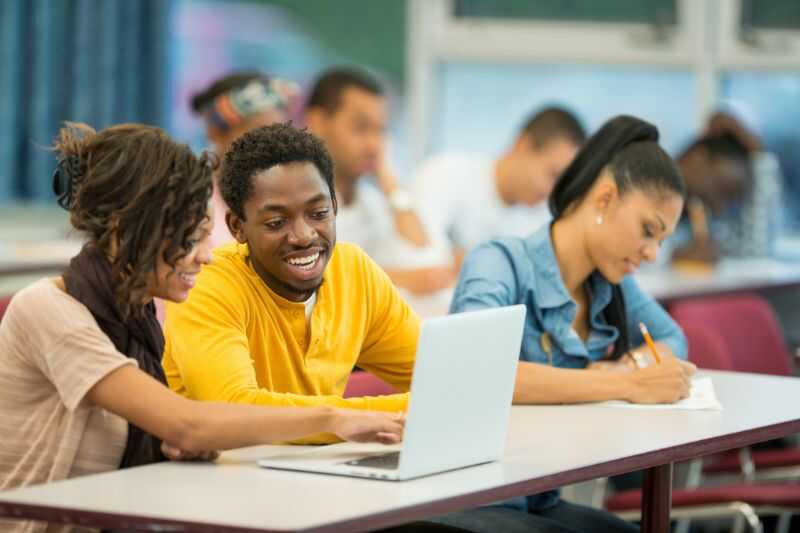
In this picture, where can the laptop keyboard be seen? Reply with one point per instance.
(388, 461)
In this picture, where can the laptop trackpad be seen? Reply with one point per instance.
(334, 453)
(387, 461)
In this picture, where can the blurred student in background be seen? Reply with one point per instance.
(233, 105)
(468, 199)
(734, 188)
(347, 109)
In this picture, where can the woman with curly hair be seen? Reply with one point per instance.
(81, 384)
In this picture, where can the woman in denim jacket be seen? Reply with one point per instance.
(615, 203)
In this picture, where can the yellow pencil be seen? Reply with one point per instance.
(650, 344)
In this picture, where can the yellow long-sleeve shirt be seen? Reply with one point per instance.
(235, 340)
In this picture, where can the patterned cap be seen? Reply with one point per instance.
(258, 96)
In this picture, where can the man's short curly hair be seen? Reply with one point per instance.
(263, 148)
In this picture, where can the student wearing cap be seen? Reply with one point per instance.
(233, 105)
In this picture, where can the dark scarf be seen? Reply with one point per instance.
(88, 280)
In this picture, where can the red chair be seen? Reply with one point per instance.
(748, 326)
(365, 384)
(753, 342)
(779, 463)
(707, 347)
(5, 301)
(745, 503)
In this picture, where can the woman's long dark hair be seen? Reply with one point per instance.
(629, 148)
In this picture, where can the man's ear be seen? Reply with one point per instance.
(525, 143)
(235, 226)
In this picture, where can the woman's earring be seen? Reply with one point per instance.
(599, 219)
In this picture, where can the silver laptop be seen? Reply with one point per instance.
(460, 403)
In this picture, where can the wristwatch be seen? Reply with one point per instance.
(638, 359)
(401, 200)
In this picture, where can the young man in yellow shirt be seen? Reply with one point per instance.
(282, 315)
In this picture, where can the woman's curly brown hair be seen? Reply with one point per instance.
(135, 192)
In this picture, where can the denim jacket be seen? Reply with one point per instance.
(524, 271)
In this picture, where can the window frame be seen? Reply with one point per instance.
(436, 36)
(769, 49)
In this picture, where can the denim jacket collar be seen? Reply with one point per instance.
(550, 289)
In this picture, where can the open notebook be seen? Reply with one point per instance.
(701, 398)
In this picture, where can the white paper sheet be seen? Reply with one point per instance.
(701, 398)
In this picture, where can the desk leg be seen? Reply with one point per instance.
(657, 499)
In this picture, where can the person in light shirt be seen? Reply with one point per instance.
(466, 199)
(347, 109)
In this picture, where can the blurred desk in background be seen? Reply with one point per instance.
(731, 275)
(24, 262)
(32, 257)
(35, 241)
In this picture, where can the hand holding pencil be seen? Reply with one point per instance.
(650, 344)
(689, 368)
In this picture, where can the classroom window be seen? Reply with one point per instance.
(480, 106)
(770, 15)
(627, 11)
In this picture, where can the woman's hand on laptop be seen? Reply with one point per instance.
(368, 426)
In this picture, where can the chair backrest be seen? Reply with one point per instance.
(747, 324)
(365, 384)
(4, 303)
(707, 348)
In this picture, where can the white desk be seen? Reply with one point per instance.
(36, 257)
(731, 275)
(547, 447)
